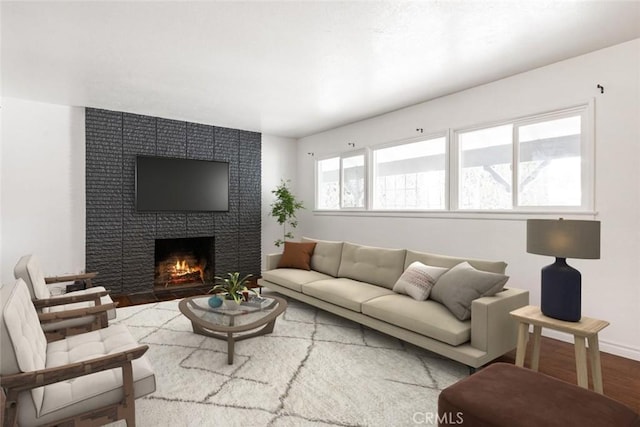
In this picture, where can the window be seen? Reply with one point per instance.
(341, 182)
(549, 157)
(549, 163)
(485, 168)
(353, 182)
(542, 162)
(328, 183)
(410, 175)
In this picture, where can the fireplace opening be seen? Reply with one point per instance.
(185, 262)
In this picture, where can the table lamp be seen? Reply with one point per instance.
(561, 283)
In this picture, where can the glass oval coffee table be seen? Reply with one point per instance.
(229, 324)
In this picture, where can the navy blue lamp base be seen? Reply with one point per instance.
(561, 291)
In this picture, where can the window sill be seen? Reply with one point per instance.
(500, 215)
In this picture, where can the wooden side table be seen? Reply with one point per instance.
(585, 329)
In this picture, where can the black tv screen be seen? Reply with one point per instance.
(169, 184)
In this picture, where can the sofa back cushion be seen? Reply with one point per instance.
(326, 256)
(449, 261)
(378, 266)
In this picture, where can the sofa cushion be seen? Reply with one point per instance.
(428, 318)
(458, 287)
(326, 256)
(91, 345)
(346, 293)
(418, 280)
(378, 266)
(297, 255)
(448, 261)
(293, 278)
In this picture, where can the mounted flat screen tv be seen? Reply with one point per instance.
(170, 184)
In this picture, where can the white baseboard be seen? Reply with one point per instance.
(605, 346)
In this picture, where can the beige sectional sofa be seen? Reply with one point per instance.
(356, 282)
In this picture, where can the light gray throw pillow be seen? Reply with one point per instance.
(458, 287)
(417, 280)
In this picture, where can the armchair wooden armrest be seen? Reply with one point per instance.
(70, 299)
(16, 383)
(54, 332)
(72, 277)
(79, 312)
(28, 380)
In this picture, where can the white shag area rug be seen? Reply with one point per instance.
(315, 369)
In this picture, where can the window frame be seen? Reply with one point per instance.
(341, 157)
(455, 170)
(316, 182)
(424, 137)
(586, 110)
(354, 153)
(587, 156)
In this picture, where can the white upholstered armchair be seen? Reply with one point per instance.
(89, 379)
(61, 312)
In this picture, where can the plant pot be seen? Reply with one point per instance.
(231, 304)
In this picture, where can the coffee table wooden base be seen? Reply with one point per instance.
(231, 325)
(230, 338)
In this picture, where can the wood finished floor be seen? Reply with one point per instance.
(621, 376)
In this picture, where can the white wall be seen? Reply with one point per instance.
(278, 162)
(1, 149)
(1, 180)
(42, 186)
(611, 285)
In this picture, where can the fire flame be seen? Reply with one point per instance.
(182, 267)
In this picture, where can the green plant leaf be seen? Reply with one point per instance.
(284, 208)
(232, 284)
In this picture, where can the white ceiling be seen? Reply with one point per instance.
(287, 68)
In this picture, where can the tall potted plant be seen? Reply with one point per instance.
(284, 210)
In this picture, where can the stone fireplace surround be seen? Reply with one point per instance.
(120, 242)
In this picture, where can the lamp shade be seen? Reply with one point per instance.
(564, 238)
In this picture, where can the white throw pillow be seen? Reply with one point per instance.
(417, 280)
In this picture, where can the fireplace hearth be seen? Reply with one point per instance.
(184, 262)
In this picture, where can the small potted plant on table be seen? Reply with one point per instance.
(233, 289)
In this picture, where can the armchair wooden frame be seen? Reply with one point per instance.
(98, 311)
(125, 409)
(86, 277)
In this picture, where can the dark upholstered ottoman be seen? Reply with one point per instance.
(503, 395)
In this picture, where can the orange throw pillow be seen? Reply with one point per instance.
(297, 255)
